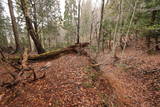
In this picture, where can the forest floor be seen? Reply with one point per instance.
(135, 79)
(71, 81)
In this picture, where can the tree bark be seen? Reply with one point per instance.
(91, 28)
(34, 15)
(154, 14)
(14, 26)
(157, 42)
(30, 27)
(148, 39)
(101, 21)
(78, 26)
(91, 34)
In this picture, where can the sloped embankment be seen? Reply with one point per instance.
(135, 80)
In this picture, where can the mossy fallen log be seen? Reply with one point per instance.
(54, 54)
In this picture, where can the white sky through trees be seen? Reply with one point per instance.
(62, 4)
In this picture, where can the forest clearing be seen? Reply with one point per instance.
(79, 53)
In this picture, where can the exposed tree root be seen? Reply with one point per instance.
(23, 75)
(27, 74)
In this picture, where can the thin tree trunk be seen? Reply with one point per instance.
(110, 42)
(148, 39)
(78, 26)
(101, 21)
(91, 33)
(156, 40)
(49, 42)
(14, 26)
(130, 23)
(30, 27)
(154, 14)
(116, 35)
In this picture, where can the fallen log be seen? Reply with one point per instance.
(54, 54)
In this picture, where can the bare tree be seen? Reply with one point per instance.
(14, 26)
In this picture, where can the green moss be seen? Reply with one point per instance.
(92, 74)
(87, 85)
(152, 52)
(93, 48)
(88, 69)
(104, 98)
(124, 67)
(56, 103)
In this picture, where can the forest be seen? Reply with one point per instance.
(79, 53)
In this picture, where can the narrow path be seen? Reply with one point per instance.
(133, 81)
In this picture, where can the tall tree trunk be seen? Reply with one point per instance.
(154, 14)
(14, 26)
(34, 15)
(101, 21)
(157, 42)
(30, 27)
(91, 33)
(91, 28)
(49, 42)
(148, 37)
(109, 44)
(78, 26)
